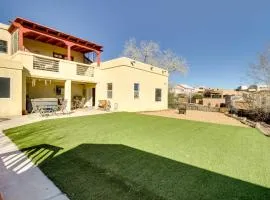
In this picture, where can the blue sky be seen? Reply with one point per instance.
(219, 39)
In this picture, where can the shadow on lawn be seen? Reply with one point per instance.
(18, 161)
(101, 171)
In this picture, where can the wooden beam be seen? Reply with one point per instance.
(38, 37)
(76, 48)
(62, 40)
(49, 40)
(21, 47)
(58, 43)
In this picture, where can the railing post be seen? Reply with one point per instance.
(69, 45)
(21, 47)
(98, 58)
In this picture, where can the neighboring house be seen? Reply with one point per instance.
(213, 97)
(257, 88)
(242, 88)
(42, 62)
(200, 89)
(182, 89)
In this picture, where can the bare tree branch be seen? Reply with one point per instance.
(149, 52)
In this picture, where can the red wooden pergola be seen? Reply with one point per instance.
(34, 31)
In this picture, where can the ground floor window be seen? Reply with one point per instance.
(4, 87)
(109, 90)
(136, 90)
(158, 94)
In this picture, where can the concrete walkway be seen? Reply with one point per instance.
(20, 179)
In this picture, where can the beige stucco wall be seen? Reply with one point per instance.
(48, 49)
(12, 105)
(122, 74)
(5, 35)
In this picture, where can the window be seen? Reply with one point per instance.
(4, 87)
(61, 56)
(158, 94)
(136, 90)
(109, 90)
(3, 46)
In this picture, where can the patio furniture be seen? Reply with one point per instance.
(82, 102)
(182, 108)
(37, 103)
(63, 106)
(78, 102)
(46, 110)
(104, 104)
(44, 106)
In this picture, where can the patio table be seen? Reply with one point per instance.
(47, 109)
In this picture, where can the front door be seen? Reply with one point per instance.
(93, 96)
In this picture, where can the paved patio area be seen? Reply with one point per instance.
(212, 117)
(11, 122)
(20, 179)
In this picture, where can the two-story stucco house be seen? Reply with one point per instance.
(40, 62)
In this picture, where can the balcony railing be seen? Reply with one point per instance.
(84, 70)
(49, 67)
(46, 64)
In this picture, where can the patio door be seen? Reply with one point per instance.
(93, 96)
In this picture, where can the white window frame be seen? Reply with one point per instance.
(136, 92)
(158, 99)
(109, 91)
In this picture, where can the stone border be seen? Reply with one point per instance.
(261, 126)
(243, 120)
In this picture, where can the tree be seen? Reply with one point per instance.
(260, 72)
(149, 52)
(259, 102)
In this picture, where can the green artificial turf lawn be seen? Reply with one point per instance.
(133, 156)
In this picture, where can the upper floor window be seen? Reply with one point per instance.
(61, 56)
(158, 94)
(136, 90)
(4, 87)
(109, 90)
(3, 46)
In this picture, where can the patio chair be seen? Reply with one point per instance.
(63, 107)
(108, 106)
(104, 105)
(81, 103)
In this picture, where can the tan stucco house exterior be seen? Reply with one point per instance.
(41, 62)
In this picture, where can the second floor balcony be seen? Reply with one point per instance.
(50, 53)
(48, 67)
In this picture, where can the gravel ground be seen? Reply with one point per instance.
(212, 117)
